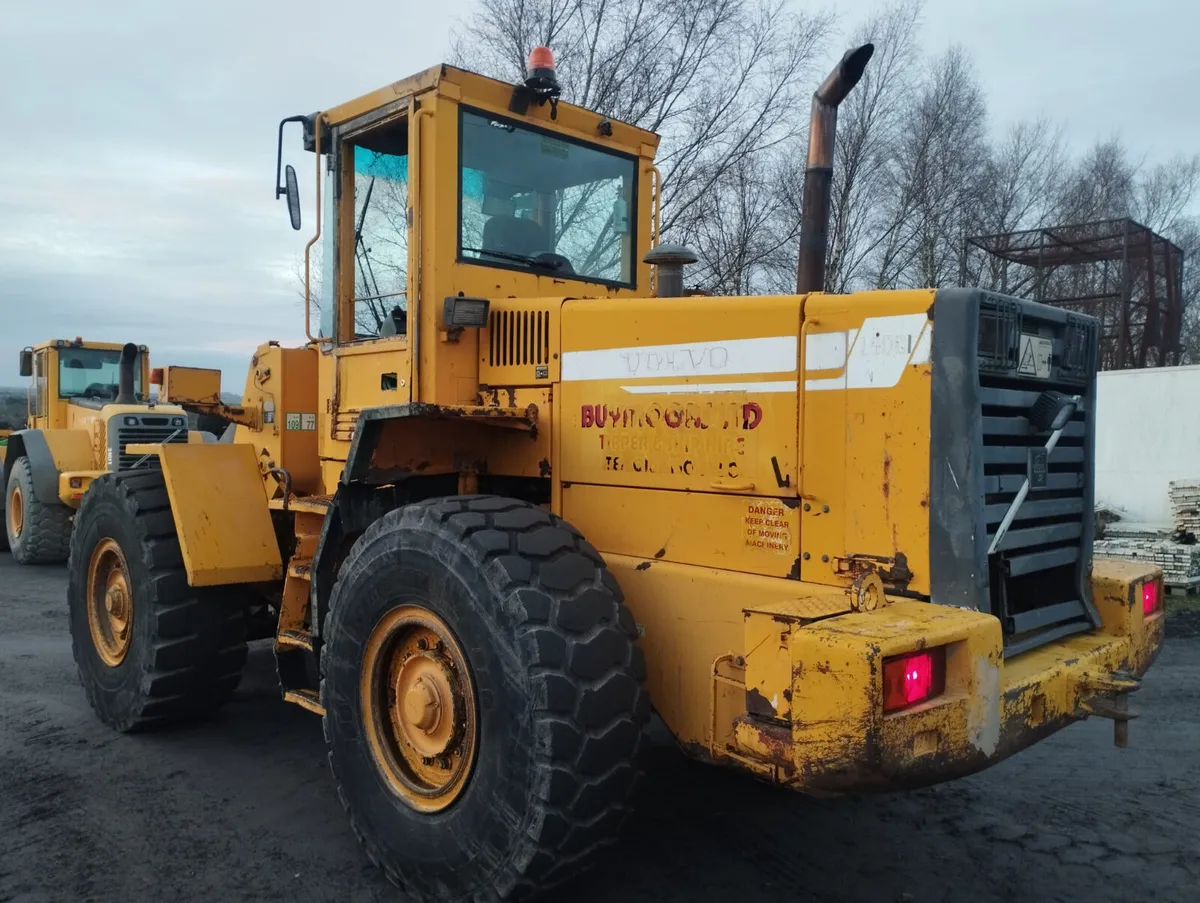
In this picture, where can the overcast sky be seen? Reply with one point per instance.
(136, 199)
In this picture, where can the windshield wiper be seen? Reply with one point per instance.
(519, 258)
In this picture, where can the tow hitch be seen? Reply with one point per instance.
(1108, 697)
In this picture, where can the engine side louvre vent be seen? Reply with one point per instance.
(519, 338)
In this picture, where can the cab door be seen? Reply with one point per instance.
(39, 391)
(370, 288)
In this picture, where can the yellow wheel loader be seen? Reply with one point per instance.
(4, 434)
(519, 488)
(87, 402)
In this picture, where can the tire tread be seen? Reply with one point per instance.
(583, 669)
(46, 531)
(197, 647)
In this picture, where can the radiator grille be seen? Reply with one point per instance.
(519, 338)
(1035, 575)
(146, 434)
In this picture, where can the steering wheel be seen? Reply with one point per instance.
(99, 390)
(561, 264)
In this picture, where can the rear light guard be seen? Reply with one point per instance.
(913, 679)
(1152, 597)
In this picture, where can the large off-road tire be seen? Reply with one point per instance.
(37, 532)
(514, 616)
(150, 649)
(3, 513)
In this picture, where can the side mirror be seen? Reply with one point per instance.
(289, 187)
(27, 362)
(293, 195)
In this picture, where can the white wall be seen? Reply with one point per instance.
(1147, 434)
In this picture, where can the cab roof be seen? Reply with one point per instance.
(82, 343)
(466, 87)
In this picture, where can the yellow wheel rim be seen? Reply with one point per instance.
(16, 510)
(418, 706)
(109, 602)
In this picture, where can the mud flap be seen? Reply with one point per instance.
(221, 513)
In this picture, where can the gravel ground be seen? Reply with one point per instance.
(242, 808)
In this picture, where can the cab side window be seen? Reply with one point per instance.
(40, 386)
(381, 234)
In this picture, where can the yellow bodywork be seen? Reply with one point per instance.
(192, 384)
(832, 735)
(755, 471)
(72, 484)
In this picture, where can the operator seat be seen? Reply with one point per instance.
(396, 323)
(514, 235)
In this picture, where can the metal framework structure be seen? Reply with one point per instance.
(1119, 271)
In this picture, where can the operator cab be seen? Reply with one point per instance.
(536, 189)
(83, 374)
(448, 192)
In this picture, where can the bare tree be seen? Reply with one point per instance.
(1186, 234)
(743, 231)
(1101, 185)
(722, 81)
(1162, 197)
(1022, 176)
(1106, 183)
(870, 124)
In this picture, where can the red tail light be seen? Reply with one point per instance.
(914, 678)
(1151, 597)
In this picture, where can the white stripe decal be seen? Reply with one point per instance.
(732, 357)
(783, 385)
(825, 350)
(879, 354)
(825, 385)
(924, 349)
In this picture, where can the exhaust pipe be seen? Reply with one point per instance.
(818, 175)
(125, 394)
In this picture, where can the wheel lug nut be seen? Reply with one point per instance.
(444, 762)
(426, 760)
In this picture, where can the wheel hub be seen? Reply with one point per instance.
(424, 712)
(109, 602)
(16, 511)
(418, 707)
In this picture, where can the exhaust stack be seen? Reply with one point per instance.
(818, 175)
(125, 393)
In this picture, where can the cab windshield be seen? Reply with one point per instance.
(531, 200)
(94, 373)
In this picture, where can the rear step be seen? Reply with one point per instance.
(306, 699)
(296, 639)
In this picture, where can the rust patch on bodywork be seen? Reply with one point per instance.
(758, 705)
(892, 570)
